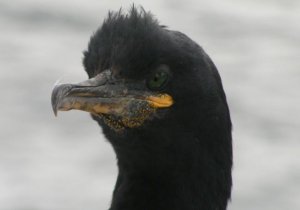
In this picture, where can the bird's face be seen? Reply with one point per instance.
(138, 72)
(120, 102)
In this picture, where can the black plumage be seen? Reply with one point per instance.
(173, 158)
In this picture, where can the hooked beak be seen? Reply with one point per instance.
(100, 96)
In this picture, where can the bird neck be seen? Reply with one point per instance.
(181, 171)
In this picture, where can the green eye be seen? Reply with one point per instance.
(159, 79)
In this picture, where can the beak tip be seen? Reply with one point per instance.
(57, 94)
(55, 112)
(54, 109)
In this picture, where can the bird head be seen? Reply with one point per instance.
(140, 73)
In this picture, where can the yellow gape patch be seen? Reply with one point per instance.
(160, 101)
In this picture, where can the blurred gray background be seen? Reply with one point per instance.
(64, 163)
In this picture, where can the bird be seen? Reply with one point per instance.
(160, 102)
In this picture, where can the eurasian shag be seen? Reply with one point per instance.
(160, 102)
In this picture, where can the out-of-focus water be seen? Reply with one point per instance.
(64, 163)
